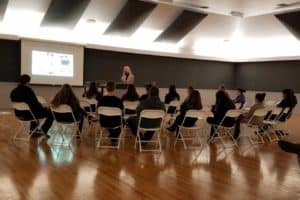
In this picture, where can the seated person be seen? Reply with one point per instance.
(289, 101)
(222, 105)
(172, 95)
(240, 97)
(66, 96)
(153, 103)
(23, 93)
(193, 102)
(92, 93)
(145, 96)
(110, 100)
(190, 89)
(244, 118)
(131, 94)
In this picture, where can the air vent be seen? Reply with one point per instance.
(237, 14)
(287, 5)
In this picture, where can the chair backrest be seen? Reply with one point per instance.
(233, 113)
(26, 113)
(131, 105)
(42, 100)
(109, 111)
(258, 114)
(60, 110)
(173, 107)
(152, 115)
(91, 101)
(194, 114)
(110, 117)
(21, 106)
(85, 105)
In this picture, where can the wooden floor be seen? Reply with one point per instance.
(36, 171)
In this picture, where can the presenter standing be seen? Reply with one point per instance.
(127, 76)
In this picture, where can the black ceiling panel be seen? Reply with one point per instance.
(181, 26)
(64, 13)
(291, 21)
(131, 16)
(3, 6)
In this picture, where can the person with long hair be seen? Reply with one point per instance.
(193, 102)
(219, 110)
(131, 94)
(240, 98)
(93, 92)
(289, 100)
(127, 76)
(172, 95)
(245, 117)
(66, 96)
(146, 95)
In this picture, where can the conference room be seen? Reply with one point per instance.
(149, 99)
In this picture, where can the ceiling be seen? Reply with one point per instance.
(135, 26)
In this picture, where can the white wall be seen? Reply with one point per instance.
(208, 96)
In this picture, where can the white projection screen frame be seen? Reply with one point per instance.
(27, 48)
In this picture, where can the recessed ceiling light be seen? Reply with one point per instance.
(203, 7)
(91, 21)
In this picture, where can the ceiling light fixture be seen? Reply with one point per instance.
(91, 21)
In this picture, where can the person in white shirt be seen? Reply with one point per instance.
(127, 76)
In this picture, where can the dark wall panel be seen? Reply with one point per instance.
(107, 65)
(269, 76)
(10, 56)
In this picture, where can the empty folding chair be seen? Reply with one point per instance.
(25, 117)
(221, 131)
(65, 122)
(110, 119)
(252, 129)
(193, 134)
(150, 121)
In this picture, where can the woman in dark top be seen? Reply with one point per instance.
(223, 104)
(172, 95)
(66, 96)
(240, 97)
(193, 102)
(289, 101)
(93, 92)
(131, 94)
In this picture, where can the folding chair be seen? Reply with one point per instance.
(172, 110)
(271, 122)
(222, 131)
(90, 107)
(270, 104)
(280, 126)
(251, 130)
(26, 121)
(150, 116)
(109, 112)
(63, 118)
(196, 134)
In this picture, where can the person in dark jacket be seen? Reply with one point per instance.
(193, 102)
(219, 110)
(145, 96)
(172, 95)
(152, 102)
(240, 97)
(110, 100)
(24, 93)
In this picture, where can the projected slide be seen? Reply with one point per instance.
(52, 64)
